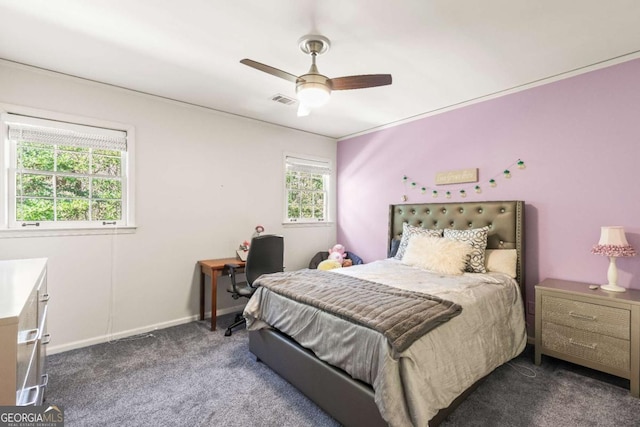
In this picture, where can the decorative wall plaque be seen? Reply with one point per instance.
(457, 176)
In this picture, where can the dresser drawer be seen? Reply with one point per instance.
(599, 319)
(606, 350)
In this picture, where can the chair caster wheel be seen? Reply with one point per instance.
(227, 333)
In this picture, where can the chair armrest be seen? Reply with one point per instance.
(233, 266)
(233, 269)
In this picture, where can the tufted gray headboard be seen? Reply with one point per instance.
(505, 220)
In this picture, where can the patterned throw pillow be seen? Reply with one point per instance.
(408, 231)
(477, 238)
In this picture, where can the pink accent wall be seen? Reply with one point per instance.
(579, 138)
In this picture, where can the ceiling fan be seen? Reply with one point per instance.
(314, 89)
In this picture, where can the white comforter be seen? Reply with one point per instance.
(410, 387)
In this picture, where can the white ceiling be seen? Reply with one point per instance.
(440, 52)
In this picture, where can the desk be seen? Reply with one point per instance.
(213, 268)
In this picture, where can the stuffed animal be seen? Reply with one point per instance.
(336, 256)
(329, 264)
(340, 250)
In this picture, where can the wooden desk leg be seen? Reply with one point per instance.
(202, 294)
(214, 297)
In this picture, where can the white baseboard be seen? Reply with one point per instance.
(137, 331)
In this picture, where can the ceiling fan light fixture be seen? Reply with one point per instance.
(314, 89)
(313, 95)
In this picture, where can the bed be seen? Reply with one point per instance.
(362, 377)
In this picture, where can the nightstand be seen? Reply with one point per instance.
(590, 327)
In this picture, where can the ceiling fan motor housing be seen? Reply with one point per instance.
(311, 44)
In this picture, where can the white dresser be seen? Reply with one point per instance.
(23, 335)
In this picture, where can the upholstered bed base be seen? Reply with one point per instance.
(349, 401)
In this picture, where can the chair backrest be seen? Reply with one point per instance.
(266, 255)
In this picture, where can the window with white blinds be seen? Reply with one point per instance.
(306, 189)
(65, 175)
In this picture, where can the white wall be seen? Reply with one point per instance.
(204, 179)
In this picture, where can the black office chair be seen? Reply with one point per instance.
(266, 255)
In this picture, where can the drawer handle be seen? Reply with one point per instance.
(579, 344)
(31, 336)
(44, 298)
(31, 391)
(46, 339)
(45, 380)
(582, 316)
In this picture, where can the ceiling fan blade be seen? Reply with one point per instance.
(360, 82)
(270, 70)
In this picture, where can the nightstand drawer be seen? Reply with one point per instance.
(609, 351)
(599, 319)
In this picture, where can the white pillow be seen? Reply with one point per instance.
(409, 231)
(502, 261)
(441, 255)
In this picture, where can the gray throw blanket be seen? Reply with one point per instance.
(401, 316)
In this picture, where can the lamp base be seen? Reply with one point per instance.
(613, 288)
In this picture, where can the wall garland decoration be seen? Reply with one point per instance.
(506, 174)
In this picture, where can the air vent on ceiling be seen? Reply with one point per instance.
(282, 99)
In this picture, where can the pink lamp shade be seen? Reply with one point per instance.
(613, 243)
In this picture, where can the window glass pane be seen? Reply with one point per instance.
(106, 210)
(293, 210)
(306, 182)
(318, 205)
(35, 156)
(106, 165)
(317, 183)
(106, 188)
(292, 180)
(73, 148)
(34, 185)
(34, 209)
(73, 162)
(67, 186)
(306, 202)
(114, 153)
(72, 210)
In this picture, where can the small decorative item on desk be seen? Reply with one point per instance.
(243, 250)
(613, 244)
(259, 229)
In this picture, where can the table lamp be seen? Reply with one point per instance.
(613, 244)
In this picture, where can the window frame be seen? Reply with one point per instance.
(328, 187)
(9, 227)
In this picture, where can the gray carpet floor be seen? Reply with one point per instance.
(189, 376)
